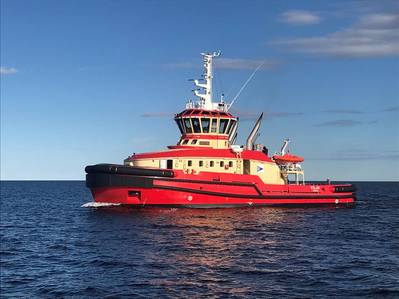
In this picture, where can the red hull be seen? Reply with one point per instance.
(170, 198)
(209, 190)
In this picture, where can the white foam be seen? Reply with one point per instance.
(93, 204)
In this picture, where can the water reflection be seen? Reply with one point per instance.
(210, 248)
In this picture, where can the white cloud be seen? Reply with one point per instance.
(253, 115)
(373, 35)
(340, 123)
(158, 114)
(364, 154)
(180, 65)
(346, 123)
(391, 109)
(381, 20)
(343, 111)
(300, 17)
(229, 63)
(244, 64)
(7, 70)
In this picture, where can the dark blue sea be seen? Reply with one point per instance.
(53, 247)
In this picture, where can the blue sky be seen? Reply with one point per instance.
(79, 77)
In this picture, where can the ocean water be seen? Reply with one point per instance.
(51, 246)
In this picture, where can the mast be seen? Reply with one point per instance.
(205, 97)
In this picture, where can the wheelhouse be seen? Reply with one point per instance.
(196, 121)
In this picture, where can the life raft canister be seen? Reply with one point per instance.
(287, 158)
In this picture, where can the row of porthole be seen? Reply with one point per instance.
(194, 141)
(211, 163)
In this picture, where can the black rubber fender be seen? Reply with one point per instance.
(128, 170)
(347, 188)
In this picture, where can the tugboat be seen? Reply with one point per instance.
(207, 169)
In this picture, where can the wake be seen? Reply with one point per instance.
(93, 204)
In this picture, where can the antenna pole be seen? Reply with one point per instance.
(245, 84)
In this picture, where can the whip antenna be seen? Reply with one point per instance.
(245, 84)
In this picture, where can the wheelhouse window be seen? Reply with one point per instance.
(187, 124)
(205, 125)
(230, 127)
(223, 125)
(180, 125)
(196, 125)
(214, 126)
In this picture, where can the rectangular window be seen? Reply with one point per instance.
(204, 143)
(190, 163)
(201, 163)
(214, 126)
(169, 164)
(187, 124)
(221, 163)
(205, 125)
(230, 163)
(196, 125)
(211, 164)
(185, 141)
(223, 125)
(194, 141)
(247, 167)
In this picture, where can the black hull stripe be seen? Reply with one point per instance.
(208, 182)
(240, 184)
